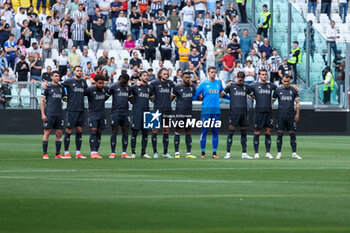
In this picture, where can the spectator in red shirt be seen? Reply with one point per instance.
(229, 64)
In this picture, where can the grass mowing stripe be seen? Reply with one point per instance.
(174, 181)
(171, 169)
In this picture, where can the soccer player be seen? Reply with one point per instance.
(121, 93)
(238, 113)
(141, 95)
(287, 117)
(263, 112)
(162, 102)
(75, 88)
(211, 91)
(52, 114)
(97, 95)
(183, 93)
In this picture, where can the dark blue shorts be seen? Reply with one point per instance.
(137, 122)
(120, 119)
(286, 123)
(75, 119)
(263, 120)
(53, 122)
(97, 122)
(238, 119)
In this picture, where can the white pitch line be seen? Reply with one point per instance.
(169, 169)
(174, 181)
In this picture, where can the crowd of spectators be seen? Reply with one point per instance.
(179, 31)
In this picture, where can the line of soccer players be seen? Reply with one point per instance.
(162, 92)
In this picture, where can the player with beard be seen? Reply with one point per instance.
(287, 116)
(97, 96)
(75, 88)
(162, 103)
(52, 114)
(121, 93)
(183, 93)
(263, 112)
(141, 93)
(238, 113)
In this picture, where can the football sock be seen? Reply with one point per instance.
(125, 141)
(214, 152)
(229, 140)
(203, 139)
(165, 142)
(189, 143)
(279, 142)
(144, 141)
(66, 141)
(45, 144)
(244, 140)
(256, 142)
(113, 142)
(177, 142)
(154, 142)
(203, 152)
(58, 147)
(93, 140)
(268, 142)
(133, 140)
(293, 142)
(98, 140)
(78, 140)
(215, 139)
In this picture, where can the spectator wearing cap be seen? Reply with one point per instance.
(219, 52)
(98, 35)
(136, 21)
(5, 31)
(161, 20)
(218, 27)
(264, 21)
(19, 18)
(328, 81)
(194, 38)
(165, 46)
(116, 7)
(331, 36)
(175, 22)
(148, 20)
(184, 54)
(150, 44)
(188, 14)
(11, 49)
(294, 59)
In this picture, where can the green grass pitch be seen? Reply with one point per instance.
(160, 196)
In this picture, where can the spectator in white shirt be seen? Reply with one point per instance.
(331, 36)
(19, 18)
(188, 16)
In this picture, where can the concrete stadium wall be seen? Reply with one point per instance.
(311, 123)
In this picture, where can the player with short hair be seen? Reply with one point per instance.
(238, 92)
(75, 88)
(162, 102)
(287, 116)
(183, 93)
(211, 91)
(141, 94)
(121, 93)
(52, 114)
(262, 91)
(97, 95)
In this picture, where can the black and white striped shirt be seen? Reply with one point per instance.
(78, 31)
(275, 62)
